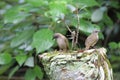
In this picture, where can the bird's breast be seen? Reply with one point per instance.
(61, 41)
(97, 36)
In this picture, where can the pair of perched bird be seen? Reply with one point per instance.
(63, 44)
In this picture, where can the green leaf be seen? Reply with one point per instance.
(98, 14)
(118, 15)
(5, 58)
(113, 45)
(115, 4)
(119, 45)
(4, 68)
(30, 75)
(101, 36)
(71, 7)
(37, 3)
(13, 71)
(85, 26)
(21, 59)
(88, 3)
(107, 20)
(29, 62)
(42, 40)
(1, 24)
(59, 28)
(17, 14)
(21, 38)
(85, 14)
(38, 72)
(57, 10)
(2, 4)
(58, 5)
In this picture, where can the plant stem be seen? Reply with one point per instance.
(72, 35)
(77, 29)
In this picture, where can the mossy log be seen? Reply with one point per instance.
(87, 65)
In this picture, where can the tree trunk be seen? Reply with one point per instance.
(88, 65)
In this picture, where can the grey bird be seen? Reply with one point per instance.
(91, 39)
(62, 41)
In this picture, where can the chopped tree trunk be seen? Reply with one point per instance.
(88, 65)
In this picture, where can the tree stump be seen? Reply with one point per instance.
(88, 65)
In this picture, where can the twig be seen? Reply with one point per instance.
(68, 27)
(77, 33)
(78, 25)
(72, 35)
(73, 39)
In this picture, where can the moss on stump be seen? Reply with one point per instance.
(88, 65)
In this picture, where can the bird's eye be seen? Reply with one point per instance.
(55, 36)
(96, 31)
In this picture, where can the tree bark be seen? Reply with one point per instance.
(87, 65)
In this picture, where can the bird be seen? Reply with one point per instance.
(62, 41)
(92, 39)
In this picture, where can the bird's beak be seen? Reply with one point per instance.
(97, 31)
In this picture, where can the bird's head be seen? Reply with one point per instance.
(56, 35)
(96, 31)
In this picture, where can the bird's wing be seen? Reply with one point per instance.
(90, 40)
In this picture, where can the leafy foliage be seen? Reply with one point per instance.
(27, 27)
(5, 58)
(115, 53)
(20, 59)
(30, 62)
(21, 38)
(44, 38)
(31, 74)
